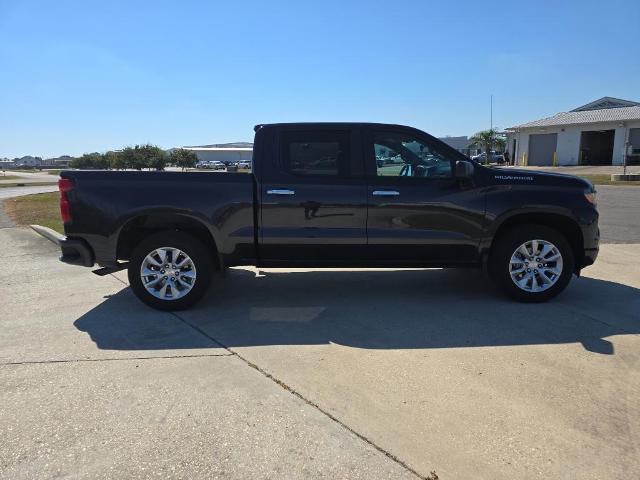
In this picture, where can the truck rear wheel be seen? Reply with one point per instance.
(532, 263)
(170, 270)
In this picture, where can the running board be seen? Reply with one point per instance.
(101, 272)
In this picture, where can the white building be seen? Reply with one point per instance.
(462, 144)
(225, 153)
(28, 161)
(5, 163)
(598, 133)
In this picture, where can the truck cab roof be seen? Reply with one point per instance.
(313, 125)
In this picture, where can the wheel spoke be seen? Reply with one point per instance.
(534, 248)
(554, 270)
(163, 290)
(153, 282)
(162, 254)
(522, 283)
(546, 248)
(153, 261)
(183, 262)
(546, 277)
(523, 251)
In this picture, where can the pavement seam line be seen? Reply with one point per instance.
(294, 392)
(286, 387)
(85, 360)
(121, 281)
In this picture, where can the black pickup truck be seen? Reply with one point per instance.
(331, 195)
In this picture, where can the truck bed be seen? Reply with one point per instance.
(108, 202)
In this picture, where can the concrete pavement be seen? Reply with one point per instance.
(391, 372)
(173, 404)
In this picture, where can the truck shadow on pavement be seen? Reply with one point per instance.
(401, 309)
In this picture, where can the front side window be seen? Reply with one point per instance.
(315, 153)
(399, 155)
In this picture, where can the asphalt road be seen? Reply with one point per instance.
(28, 177)
(317, 374)
(9, 192)
(619, 214)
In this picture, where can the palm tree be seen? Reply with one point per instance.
(487, 140)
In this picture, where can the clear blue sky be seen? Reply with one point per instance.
(79, 76)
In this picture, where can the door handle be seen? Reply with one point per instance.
(385, 193)
(281, 192)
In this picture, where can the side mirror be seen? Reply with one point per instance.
(464, 169)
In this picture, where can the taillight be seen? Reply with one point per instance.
(65, 185)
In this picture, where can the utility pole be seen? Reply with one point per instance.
(491, 109)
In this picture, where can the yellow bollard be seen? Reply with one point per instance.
(555, 159)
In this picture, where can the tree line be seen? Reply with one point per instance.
(136, 158)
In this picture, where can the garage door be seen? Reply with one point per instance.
(542, 148)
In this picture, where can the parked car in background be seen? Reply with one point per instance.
(244, 164)
(493, 158)
(215, 165)
(211, 164)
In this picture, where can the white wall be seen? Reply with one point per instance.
(568, 148)
(222, 156)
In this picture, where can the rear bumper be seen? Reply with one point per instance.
(75, 251)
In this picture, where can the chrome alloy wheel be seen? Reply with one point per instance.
(168, 273)
(535, 266)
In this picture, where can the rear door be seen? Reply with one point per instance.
(313, 199)
(418, 214)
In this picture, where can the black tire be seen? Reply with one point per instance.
(200, 256)
(509, 241)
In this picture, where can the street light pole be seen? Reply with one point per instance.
(491, 109)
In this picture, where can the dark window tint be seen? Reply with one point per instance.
(315, 153)
(634, 140)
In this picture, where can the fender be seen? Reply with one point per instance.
(131, 217)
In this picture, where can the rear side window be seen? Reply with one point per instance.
(315, 153)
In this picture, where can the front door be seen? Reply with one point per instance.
(418, 214)
(313, 200)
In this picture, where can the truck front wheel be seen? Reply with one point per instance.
(532, 263)
(170, 270)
